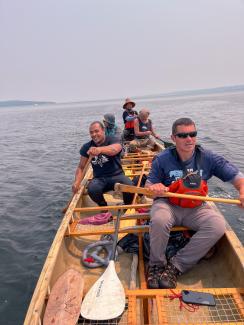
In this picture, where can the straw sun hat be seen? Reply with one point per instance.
(129, 101)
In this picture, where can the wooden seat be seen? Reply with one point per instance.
(76, 229)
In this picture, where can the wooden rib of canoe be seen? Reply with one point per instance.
(222, 274)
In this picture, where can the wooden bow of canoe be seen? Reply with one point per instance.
(221, 275)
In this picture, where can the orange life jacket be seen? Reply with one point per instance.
(190, 183)
(129, 124)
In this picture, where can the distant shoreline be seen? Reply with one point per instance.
(11, 103)
(180, 93)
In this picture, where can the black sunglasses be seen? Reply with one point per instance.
(185, 135)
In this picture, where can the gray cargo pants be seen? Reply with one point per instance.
(208, 223)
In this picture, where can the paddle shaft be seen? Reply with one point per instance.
(139, 181)
(147, 191)
(82, 176)
(165, 143)
(116, 232)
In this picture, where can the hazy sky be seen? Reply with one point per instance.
(74, 50)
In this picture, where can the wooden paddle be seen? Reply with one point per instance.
(106, 298)
(82, 176)
(63, 307)
(166, 144)
(146, 191)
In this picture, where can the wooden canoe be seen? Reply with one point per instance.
(222, 274)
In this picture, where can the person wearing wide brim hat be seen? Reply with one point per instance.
(129, 104)
(129, 115)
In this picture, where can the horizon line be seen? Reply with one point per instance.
(168, 94)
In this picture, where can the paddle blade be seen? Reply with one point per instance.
(106, 298)
(64, 302)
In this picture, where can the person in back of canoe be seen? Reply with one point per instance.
(185, 169)
(106, 164)
(144, 131)
(111, 129)
(129, 116)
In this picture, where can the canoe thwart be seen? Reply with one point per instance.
(77, 229)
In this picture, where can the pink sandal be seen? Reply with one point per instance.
(143, 210)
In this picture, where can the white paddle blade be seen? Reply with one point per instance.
(106, 298)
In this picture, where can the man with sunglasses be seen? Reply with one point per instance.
(168, 168)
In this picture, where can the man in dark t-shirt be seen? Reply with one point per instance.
(106, 164)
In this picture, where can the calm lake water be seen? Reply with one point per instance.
(39, 153)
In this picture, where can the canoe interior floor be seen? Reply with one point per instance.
(212, 273)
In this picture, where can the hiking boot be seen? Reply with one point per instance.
(168, 279)
(153, 275)
(142, 200)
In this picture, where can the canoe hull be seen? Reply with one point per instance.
(222, 274)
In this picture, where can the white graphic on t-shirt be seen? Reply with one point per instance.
(99, 160)
(176, 174)
(179, 173)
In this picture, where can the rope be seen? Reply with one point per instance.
(91, 257)
(189, 307)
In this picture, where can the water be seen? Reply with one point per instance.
(39, 153)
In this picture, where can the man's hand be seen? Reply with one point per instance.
(94, 151)
(239, 185)
(75, 187)
(241, 198)
(158, 189)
